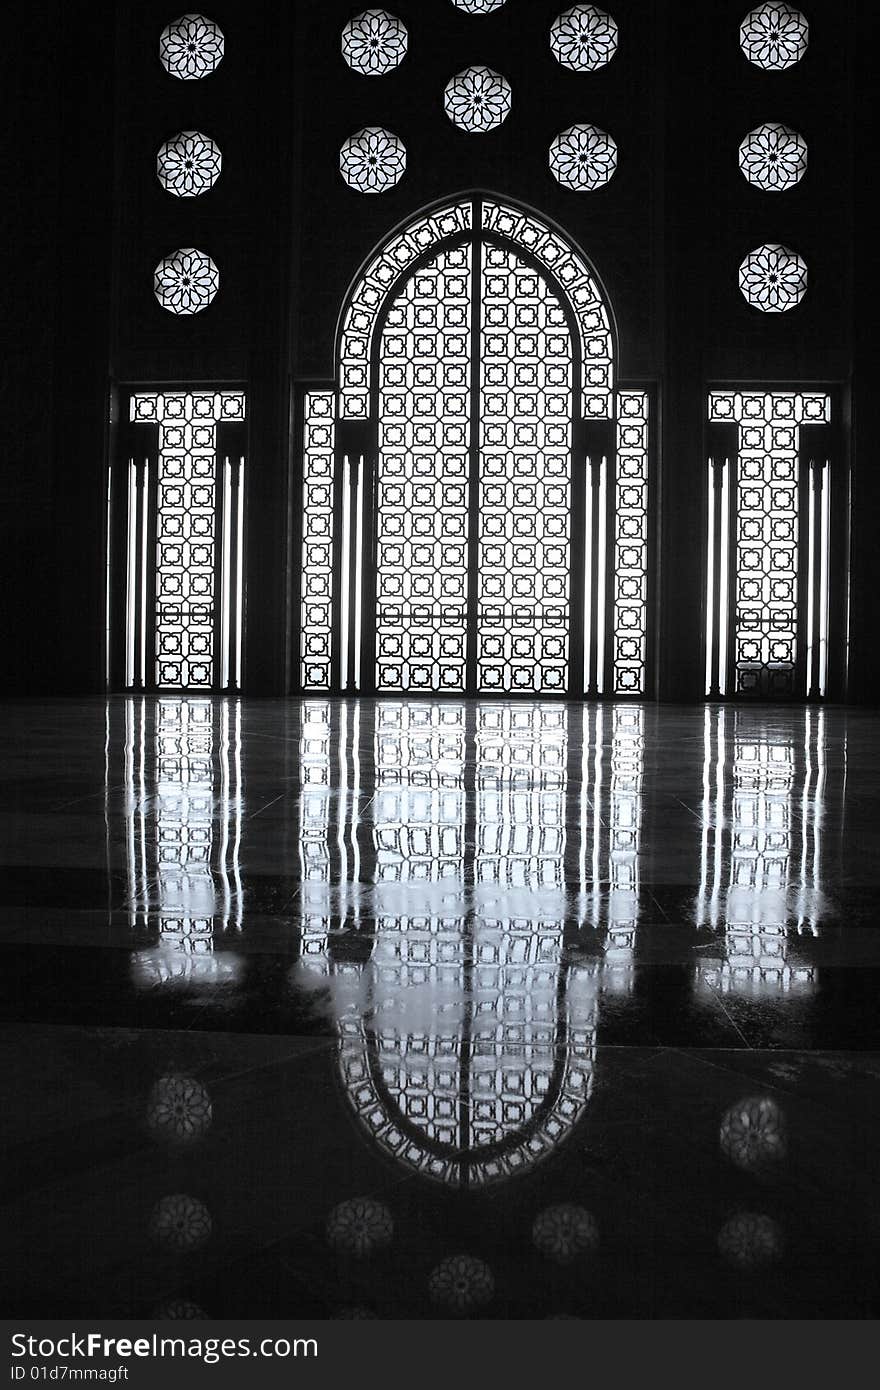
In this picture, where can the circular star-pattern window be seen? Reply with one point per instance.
(773, 157)
(186, 281)
(477, 99)
(188, 164)
(774, 37)
(372, 160)
(479, 6)
(583, 157)
(191, 47)
(583, 38)
(773, 278)
(374, 43)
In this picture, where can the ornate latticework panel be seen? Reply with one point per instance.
(373, 287)
(630, 612)
(316, 796)
(525, 480)
(422, 486)
(186, 529)
(572, 272)
(317, 583)
(767, 524)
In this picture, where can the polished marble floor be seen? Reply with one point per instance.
(433, 1009)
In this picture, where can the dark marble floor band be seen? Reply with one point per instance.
(439, 1008)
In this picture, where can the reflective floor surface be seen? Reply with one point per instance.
(424, 1009)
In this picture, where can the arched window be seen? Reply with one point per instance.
(476, 490)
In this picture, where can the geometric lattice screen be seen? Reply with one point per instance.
(475, 504)
(184, 534)
(768, 536)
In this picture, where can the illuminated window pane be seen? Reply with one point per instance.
(764, 528)
(583, 157)
(583, 38)
(191, 47)
(372, 160)
(197, 507)
(374, 43)
(477, 99)
(189, 164)
(773, 278)
(773, 157)
(186, 281)
(478, 6)
(774, 37)
(318, 488)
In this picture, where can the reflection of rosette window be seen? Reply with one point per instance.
(179, 1110)
(466, 1032)
(753, 1133)
(180, 1223)
(182, 850)
(760, 881)
(749, 1240)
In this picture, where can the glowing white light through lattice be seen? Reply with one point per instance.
(191, 47)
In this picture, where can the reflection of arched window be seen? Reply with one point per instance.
(475, 512)
(760, 876)
(441, 925)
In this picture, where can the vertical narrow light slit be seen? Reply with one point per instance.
(144, 568)
(710, 579)
(239, 575)
(107, 672)
(225, 574)
(811, 583)
(131, 576)
(825, 524)
(358, 570)
(343, 605)
(723, 596)
(588, 578)
(600, 577)
(818, 795)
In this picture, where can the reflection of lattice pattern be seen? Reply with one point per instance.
(184, 818)
(767, 522)
(586, 298)
(424, 397)
(630, 616)
(521, 787)
(314, 828)
(625, 815)
(373, 287)
(768, 832)
(186, 529)
(317, 553)
(525, 471)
